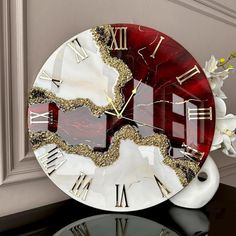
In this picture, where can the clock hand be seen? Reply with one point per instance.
(134, 91)
(136, 121)
(109, 99)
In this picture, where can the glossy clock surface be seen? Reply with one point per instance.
(121, 117)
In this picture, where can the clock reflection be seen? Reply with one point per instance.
(181, 222)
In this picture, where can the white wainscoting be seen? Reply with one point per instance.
(31, 29)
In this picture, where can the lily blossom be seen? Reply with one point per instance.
(216, 77)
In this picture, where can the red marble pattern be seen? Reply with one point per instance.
(159, 82)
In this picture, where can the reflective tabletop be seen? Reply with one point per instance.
(69, 218)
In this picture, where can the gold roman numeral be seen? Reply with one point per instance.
(81, 186)
(192, 154)
(121, 226)
(187, 75)
(123, 197)
(41, 118)
(164, 232)
(80, 230)
(158, 45)
(164, 190)
(80, 53)
(52, 160)
(46, 76)
(200, 113)
(119, 38)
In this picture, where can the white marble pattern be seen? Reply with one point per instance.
(91, 78)
(134, 168)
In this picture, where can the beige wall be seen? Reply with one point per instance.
(31, 30)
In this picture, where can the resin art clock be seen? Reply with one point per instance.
(121, 117)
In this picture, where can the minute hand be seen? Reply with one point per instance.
(134, 91)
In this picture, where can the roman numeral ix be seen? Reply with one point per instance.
(41, 118)
(81, 186)
(80, 53)
(120, 42)
(52, 160)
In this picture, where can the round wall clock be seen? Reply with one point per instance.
(121, 117)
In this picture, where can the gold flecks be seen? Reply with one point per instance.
(101, 35)
(182, 167)
(39, 95)
(101, 159)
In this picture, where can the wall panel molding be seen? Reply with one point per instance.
(227, 170)
(18, 162)
(210, 8)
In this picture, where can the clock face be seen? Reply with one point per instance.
(121, 117)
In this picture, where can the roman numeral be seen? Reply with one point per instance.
(192, 154)
(41, 118)
(121, 44)
(121, 226)
(200, 113)
(46, 76)
(187, 75)
(123, 197)
(164, 232)
(52, 160)
(158, 45)
(164, 190)
(81, 186)
(80, 230)
(80, 53)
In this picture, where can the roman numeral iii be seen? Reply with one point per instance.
(81, 186)
(191, 153)
(52, 160)
(80, 53)
(200, 113)
(121, 198)
(120, 42)
(187, 75)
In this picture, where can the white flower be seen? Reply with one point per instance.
(216, 78)
(225, 131)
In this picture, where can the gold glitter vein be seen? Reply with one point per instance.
(101, 159)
